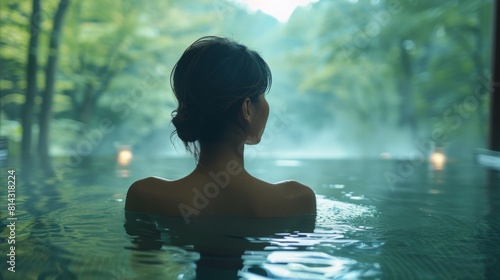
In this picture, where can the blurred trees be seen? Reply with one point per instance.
(31, 72)
(397, 69)
(387, 71)
(50, 76)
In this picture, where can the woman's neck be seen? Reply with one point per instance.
(217, 156)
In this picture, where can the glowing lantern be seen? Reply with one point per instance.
(437, 159)
(124, 156)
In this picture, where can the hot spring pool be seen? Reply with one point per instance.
(432, 224)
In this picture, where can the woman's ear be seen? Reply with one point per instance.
(246, 111)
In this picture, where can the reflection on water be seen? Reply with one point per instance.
(423, 227)
(304, 265)
(268, 248)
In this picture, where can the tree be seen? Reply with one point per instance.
(398, 65)
(50, 74)
(31, 90)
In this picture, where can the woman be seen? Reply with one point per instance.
(220, 86)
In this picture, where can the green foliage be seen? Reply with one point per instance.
(397, 66)
(377, 70)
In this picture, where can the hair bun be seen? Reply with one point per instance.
(210, 81)
(186, 128)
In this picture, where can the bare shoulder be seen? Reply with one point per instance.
(295, 187)
(141, 191)
(148, 181)
(302, 196)
(143, 184)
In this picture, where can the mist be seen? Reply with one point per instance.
(351, 79)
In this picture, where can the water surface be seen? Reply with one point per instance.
(432, 224)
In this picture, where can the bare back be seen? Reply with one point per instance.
(202, 195)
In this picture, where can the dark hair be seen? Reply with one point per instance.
(210, 81)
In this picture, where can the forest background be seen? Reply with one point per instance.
(351, 78)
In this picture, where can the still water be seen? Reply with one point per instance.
(422, 223)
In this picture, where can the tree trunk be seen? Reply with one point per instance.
(31, 88)
(48, 94)
(407, 116)
(87, 106)
(478, 56)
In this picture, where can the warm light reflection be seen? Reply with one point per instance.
(385, 155)
(122, 173)
(438, 160)
(124, 156)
